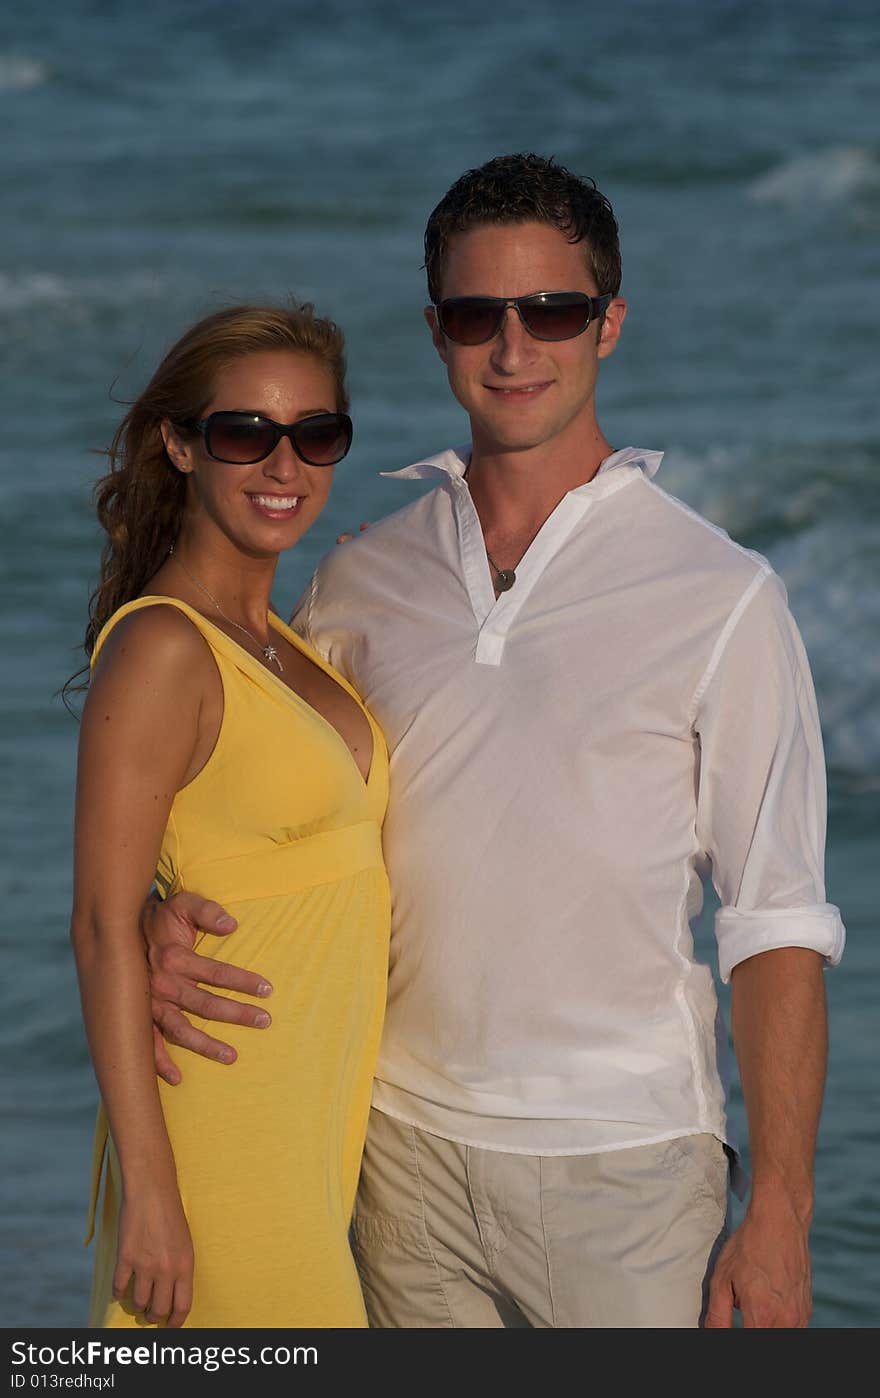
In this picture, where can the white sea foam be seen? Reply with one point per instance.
(18, 73)
(20, 291)
(825, 176)
(829, 572)
(33, 289)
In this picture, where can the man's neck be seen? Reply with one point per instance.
(514, 493)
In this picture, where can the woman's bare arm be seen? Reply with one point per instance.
(140, 741)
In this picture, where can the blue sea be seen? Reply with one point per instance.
(157, 162)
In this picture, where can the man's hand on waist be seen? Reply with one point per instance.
(178, 976)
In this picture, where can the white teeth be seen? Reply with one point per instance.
(276, 502)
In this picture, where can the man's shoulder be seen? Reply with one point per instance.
(363, 574)
(697, 540)
(411, 523)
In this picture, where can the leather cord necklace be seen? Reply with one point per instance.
(506, 576)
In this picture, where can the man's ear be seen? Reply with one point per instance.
(179, 451)
(436, 333)
(612, 324)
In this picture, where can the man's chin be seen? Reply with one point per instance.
(513, 446)
(509, 438)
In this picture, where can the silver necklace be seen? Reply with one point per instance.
(268, 652)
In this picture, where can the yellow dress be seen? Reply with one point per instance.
(281, 828)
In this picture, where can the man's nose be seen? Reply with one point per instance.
(513, 346)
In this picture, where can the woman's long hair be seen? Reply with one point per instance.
(141, 499)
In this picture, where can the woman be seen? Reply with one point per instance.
(218, 750)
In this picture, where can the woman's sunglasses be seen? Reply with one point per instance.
(548, 315)
(243, 439)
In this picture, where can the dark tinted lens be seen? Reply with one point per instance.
(323, 440)
(556, 316)
(470, 321)
(239, 438)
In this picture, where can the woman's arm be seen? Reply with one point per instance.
(141, 740)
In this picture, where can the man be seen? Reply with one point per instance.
(590, 696)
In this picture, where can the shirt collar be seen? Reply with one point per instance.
(453, 463)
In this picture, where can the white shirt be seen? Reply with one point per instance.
(565, 762)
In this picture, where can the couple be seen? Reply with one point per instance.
(590, 697)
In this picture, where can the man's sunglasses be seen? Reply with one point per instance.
(243, 439)
(548, 315)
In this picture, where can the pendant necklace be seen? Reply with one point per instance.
(506, 576)
(269, 653)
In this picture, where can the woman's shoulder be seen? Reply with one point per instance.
(155, 694)
(159, 634)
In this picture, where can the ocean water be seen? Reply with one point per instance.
(156, 165)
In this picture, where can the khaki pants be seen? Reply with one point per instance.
(451, 1236)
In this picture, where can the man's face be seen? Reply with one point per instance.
(521, 392)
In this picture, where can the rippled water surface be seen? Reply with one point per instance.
(156, 164)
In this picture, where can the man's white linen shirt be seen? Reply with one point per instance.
(566, 762)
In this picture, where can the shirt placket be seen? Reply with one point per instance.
(495, 616)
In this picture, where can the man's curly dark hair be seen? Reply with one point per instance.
(526, 188)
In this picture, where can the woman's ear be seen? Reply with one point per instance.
(179, 452)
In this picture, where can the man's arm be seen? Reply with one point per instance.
(178, 976)
(761, 820)
(780, 1036)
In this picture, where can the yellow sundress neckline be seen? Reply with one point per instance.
(277, 624)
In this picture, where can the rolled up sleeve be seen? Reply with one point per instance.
(761, 802)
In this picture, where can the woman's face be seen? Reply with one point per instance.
(268, 506)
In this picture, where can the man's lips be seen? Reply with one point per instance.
(517, 392)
